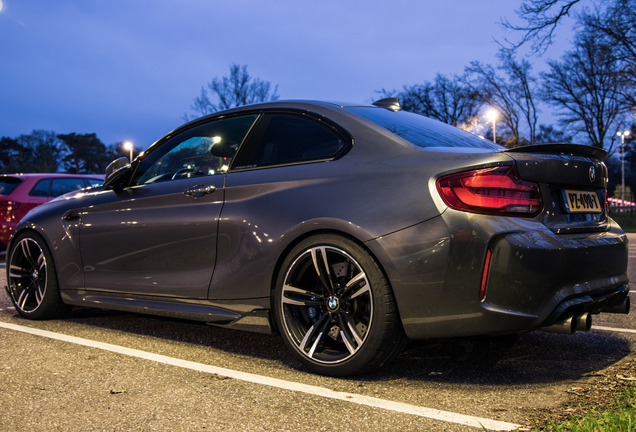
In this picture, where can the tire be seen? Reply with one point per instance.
(335, 309)
(32, 280)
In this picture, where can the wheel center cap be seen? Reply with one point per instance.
(34, 275)
(333, 303)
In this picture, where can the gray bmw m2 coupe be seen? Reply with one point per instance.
(346, 229)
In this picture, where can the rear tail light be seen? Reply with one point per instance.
(9, 205)
(494, 191)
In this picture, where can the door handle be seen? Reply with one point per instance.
(71, 216)
(199, 190)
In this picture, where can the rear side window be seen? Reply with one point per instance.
(423, 131)
(8, 184)
(41, 188)
(65, 185)
(280, 139)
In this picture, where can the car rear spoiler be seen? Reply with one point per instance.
(564, 149)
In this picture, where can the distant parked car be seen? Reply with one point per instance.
(19, 193)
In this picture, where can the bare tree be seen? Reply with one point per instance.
(446, 99)
(541, 18)
(511, 95)
(616, 24)
(235, 90)
(523, 87)
(584, 86)
(550, 135)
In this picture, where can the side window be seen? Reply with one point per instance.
(287, 138)
(41, 188)
(60, 186)
(203, 150)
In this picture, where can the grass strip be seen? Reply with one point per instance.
(619, 417)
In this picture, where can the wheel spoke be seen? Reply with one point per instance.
(352, 328)
(356, 286)
(22, 299)
(41, 262)
(27, 253)
(346, 338)
(312, 331)
(321, 264)
(295, 296)
(39, 294)
(315, 345)
(359, 292)
(18, 272)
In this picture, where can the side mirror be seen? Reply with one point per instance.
(116, 170)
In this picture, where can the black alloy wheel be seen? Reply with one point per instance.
(335, 309)
(32, 282)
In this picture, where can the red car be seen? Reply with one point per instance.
(19, 193)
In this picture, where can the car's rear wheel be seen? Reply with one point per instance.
(32, 281)
(335, 309)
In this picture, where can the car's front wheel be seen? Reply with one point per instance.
(31, 277)
(335, 309)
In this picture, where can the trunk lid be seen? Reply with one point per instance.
(573, 184)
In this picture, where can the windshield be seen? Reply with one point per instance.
(423, 131)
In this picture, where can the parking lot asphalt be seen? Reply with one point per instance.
(51, 384)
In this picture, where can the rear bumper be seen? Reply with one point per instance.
(436, 270)
(533, 272)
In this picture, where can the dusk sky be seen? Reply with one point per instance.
(129, 70)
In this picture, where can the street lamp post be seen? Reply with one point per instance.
(129, 146)
(623, 135)
(492, 115)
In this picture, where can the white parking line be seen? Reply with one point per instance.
(613, 329)
(277, 383)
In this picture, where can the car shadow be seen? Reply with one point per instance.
(524, 358)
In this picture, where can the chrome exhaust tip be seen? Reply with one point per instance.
(584, 322)
(568, 326)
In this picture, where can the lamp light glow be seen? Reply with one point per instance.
(128, 146)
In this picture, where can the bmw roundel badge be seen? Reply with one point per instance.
(592, 174)
(333, 303)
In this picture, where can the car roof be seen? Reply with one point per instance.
(286, 104)
(24, 176)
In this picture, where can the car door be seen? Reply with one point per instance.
(158, 235)
(276, 182)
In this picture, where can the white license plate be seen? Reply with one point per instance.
(581, 201)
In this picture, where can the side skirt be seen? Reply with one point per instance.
(245, 314)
